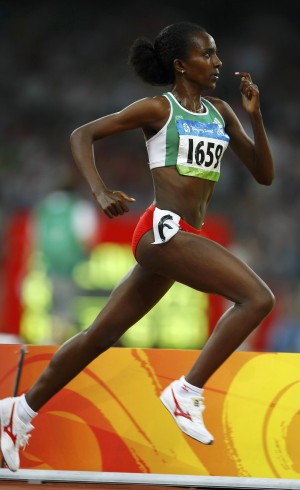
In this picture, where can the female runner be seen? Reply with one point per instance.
(186, 135)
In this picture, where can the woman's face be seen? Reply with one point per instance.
(202, 63)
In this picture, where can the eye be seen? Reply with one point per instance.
(208, 53)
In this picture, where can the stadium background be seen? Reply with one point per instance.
(64, 64)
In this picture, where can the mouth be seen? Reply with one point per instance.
(214, 76)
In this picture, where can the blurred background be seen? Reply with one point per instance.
(64, 64)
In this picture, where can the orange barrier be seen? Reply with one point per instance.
(110, 418)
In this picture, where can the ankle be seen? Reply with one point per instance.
(184, 388)
(24, 412)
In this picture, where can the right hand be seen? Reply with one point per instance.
(113, 203)
(249, 91)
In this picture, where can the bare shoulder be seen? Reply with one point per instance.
(150, 113)
(222, 106)
(156, 106)
(232, 122)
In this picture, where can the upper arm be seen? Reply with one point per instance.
(240, 142)
(148, 113)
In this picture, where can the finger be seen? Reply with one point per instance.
(124, 207)
(108, 213)
(111, 211)
(119, 203)
(121, 207)
(251, 88)
(114, 208)
(245, 81)
(243, 75)
(127, 198)
(247, 87)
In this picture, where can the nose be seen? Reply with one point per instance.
(217, 62)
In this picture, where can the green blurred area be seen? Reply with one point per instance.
(179, 320)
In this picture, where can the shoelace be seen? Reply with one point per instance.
(22, 440)
(196, 407)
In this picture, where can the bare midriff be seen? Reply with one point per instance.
(184, 195)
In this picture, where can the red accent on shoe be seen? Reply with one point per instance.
(178, 412)
(8, 428)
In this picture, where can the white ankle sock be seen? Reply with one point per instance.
(24, 412)
(185, 388)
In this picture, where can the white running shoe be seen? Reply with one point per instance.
(187, 413)
(14, 433)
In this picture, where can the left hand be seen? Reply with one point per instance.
(113, 203)
(249, 91)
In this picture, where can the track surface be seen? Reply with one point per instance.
(79, 486)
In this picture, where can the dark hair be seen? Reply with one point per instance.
(153, 62)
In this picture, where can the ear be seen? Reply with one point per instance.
(178, 66)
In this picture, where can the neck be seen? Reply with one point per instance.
(192, 104)
(188, 96)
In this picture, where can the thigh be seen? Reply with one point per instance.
(201, 264)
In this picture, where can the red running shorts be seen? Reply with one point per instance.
(145, 224)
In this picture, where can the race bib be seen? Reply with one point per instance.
(165, 225)
(201, 147)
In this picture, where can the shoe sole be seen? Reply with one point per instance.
(185, 432)
(1, 433)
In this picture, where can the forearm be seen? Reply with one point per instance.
(263, 166)
(83, 154)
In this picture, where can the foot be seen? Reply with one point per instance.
(187, 413)
(14, 433)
